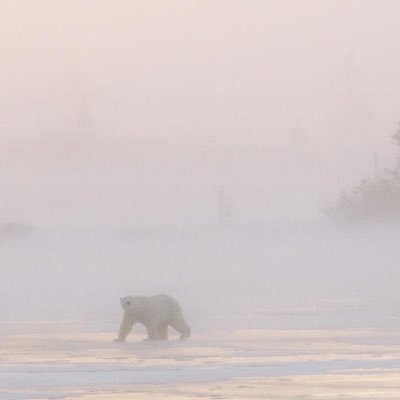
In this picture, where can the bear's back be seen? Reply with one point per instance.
(165, 304)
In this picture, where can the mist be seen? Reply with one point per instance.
(193, 148)
(133, 112)
(123, 125)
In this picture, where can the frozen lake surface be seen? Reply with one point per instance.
(244, 364)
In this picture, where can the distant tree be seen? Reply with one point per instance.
(224, 208)
(375, 199)
(14, 229)
(396, 141)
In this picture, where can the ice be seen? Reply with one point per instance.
(251, 363)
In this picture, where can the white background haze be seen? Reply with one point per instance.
(134, 112)
(120, 123)
(121, 120)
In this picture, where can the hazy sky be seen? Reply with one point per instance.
(185, 95)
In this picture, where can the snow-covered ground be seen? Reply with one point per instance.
(305, 311)
(243, 364)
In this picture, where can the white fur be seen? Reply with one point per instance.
(156, 313)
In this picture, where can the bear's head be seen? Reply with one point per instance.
(133, 304)
(126, 302)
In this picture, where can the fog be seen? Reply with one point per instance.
(135, 112)
(192, 148)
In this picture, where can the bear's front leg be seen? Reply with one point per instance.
(125, 328)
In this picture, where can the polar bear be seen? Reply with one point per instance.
(155, 313)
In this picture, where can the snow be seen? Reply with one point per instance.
(251, 363)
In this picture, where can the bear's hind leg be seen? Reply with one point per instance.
(163, 331)
(152, 331)
(180, 325)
